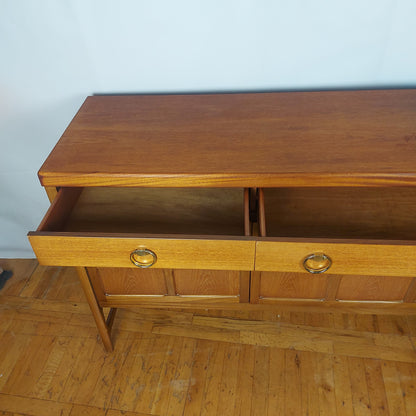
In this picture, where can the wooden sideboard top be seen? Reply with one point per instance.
(330, 138)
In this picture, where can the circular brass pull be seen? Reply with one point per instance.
(317, 263)
(143, 257)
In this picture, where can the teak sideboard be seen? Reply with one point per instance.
(235, 200)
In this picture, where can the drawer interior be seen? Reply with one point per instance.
(370, 213)
(194, 211)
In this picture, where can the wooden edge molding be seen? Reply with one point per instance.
(224, 180)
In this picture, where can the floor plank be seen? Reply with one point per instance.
(360, 397)
(343, 393)
(259, 400)
(228, 381)
(245, 381)
(213, 381)
(33, 407)
(293, 391)
(393, 388)
(22, 270)
(277, 382)
(196, 362)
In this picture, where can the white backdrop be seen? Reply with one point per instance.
(54, 53)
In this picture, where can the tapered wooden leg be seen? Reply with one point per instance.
(110, 318)
(104, 327)
(96, 309)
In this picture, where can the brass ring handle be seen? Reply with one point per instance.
(317, 263)
(143, 258)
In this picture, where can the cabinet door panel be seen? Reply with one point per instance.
(207, 282)
(123, 281)
(279, 285)
(292, 285)
(117, 281)
(373, 288)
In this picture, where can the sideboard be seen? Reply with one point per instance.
(235, 200)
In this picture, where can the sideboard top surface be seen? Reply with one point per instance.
(329, 138)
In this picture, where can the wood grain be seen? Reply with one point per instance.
(122, 281)
(78, 249)
(381, 259)
(207, 282)
(373, 288)
(118, 281)
(292, 285)
(96, 310)
(360, 213)
(51, 192)
(264, 304)
(200, 361)
(410, 295)
(327, 138)
(302, 286)
(60, 209)
(158, 211)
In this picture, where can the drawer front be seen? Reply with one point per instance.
(110, 251)
(388, 259)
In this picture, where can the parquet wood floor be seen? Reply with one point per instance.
(196, 362)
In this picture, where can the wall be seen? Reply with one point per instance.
(53, 54)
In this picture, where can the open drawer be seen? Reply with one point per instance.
(183, 228)
(359, 231)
